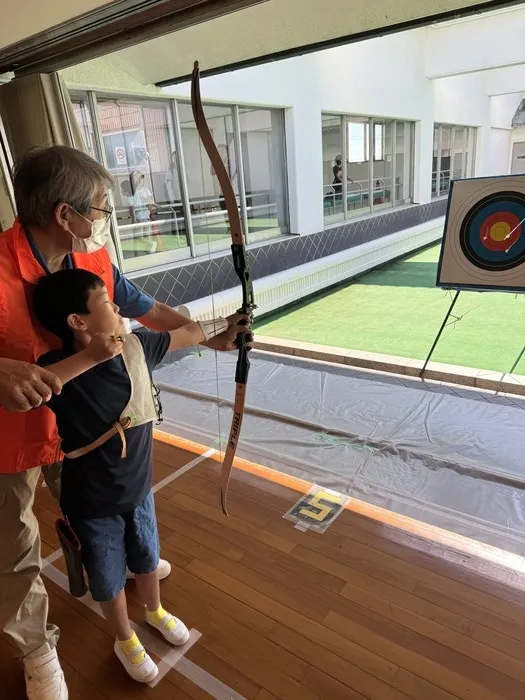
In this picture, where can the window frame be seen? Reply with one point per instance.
(369, 123)
(88, 99)
(468, 162)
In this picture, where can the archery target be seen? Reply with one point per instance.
(484, 239)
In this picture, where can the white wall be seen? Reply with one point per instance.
(502, 109)
(506, 81)
(500, 146)
(491, 40)
(463, 100)
(287, 84)
(382, 77)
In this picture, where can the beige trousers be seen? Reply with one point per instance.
(23, 598)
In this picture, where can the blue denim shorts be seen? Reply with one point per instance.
(109, 544)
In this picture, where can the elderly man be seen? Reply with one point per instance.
(63, 222)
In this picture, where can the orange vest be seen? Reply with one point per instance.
(30, 439)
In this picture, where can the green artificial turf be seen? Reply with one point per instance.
(397, 310)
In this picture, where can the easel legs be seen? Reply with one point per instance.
(438, 336)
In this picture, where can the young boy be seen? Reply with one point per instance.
(104, 416)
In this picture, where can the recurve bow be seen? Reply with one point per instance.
(240, 264)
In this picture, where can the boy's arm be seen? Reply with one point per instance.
(196, 332)
(156, 345)
(101, 348)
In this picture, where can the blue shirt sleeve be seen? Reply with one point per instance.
(155, 345)
(132, 301)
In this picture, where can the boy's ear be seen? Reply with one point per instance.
(75, 322)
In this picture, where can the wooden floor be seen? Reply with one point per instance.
(365, 610)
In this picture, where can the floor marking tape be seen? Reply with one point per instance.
(183, 470)
(170, 657)
(164, 482)
(211, 685)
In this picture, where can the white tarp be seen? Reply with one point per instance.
(445, 455)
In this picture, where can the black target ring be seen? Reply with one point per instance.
(492, 234)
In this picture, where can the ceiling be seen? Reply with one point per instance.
(27, 18)
(221, 34)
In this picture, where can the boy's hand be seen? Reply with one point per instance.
(238, 323)
(104, 346)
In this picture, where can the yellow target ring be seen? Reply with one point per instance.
(500, 231)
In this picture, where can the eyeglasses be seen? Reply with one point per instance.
(107, 212)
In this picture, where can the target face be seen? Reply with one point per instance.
(484, 241)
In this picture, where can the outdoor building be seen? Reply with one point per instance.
(406, 115)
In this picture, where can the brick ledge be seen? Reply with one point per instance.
(451, 374)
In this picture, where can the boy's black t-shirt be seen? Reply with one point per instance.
(101, 483)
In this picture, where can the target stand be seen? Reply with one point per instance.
(484, 239)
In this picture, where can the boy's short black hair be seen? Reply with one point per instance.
(63, 293)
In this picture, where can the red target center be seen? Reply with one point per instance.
(500, 231)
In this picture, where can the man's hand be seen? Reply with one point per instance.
(104, 346)
(238, 323)
(24, 386)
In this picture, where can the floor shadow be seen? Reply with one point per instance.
(403, 274)
(518, 360)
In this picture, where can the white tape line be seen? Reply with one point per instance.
(183, 470)
(170, 657)
(61, 580)
(164, 482)
(173, 657)
(211, 685)
(52, 558)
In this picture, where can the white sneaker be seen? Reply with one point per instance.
(172, 629)
(163, 570)
(143, 670)
(45, 678)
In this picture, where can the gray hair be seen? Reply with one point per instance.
(47, 177)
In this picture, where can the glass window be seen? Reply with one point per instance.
(379, 141)
(208, 208)
(358, 167)
(358, 185)
(444, 154)
(357, 141)
(332, 168)
(139, 152)
(83, 117)
(435, 162)
(404, 162)
(470, 153)
(382, 185)
(263, 161)
(453, 156)
(458, 152)
(169, 204)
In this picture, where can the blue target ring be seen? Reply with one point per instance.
(492, 234)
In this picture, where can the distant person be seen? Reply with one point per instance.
(337, 170)
(140, 202)
(142, 210)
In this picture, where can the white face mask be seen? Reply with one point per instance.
(97, 239)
